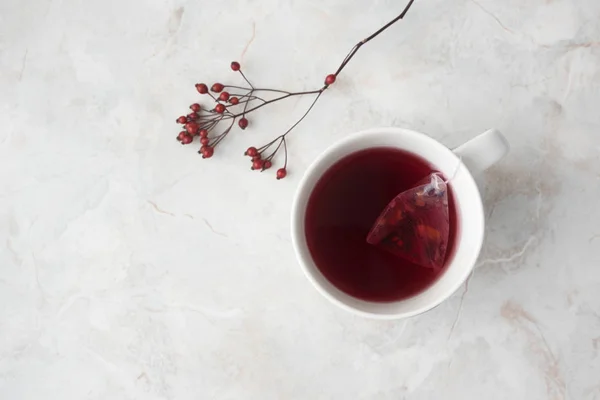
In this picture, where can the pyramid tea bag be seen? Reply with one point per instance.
(415, 224)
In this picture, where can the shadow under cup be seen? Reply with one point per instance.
(469, 211)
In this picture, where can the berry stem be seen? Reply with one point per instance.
(373, 36)
(285, 153)
(222, 136)
(246, 79)
(247, 98)
(305, 114)
(213, 97)
(319, 91)
(247, 102)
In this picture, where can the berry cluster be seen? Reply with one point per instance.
(260, 164)
(234, 103)
(231, 104)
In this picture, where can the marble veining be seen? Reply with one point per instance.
(132, 269)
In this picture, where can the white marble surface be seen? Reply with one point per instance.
(132, 269)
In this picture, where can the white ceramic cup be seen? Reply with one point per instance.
(462, 164)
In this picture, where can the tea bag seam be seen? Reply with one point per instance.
(435, 185)
(447, 181)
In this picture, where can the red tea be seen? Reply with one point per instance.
(342, 209)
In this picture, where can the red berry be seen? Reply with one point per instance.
(204, 140)
(202, 148)
(195, 107)
(217, 87)
(187, 139)
(192, 116)
(181, 120)
(235, 65)
(243, 123)
(191, 128)
(201, 88)
(203, 133)
(181, 135)
(256, 157)
(220, 108)
(208, 152)
(329, 79)
(281, 173)
(267, 164)
(257, 164)
(251, 152)
(224, 96)
(234, 100)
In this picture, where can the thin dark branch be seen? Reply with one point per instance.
(214, 98)
(237, 87)
(246, 96)
(373, 36)
(271, 90)
(246, 105)
(222, 135)
(305, 114)
(270, 156)
(251, 99)
(285, 152)
(246, 79)
(266, 146)
(253, 89)
(281, 98)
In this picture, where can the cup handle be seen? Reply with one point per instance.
(483, 151)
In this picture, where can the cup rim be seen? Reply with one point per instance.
(305, 185)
